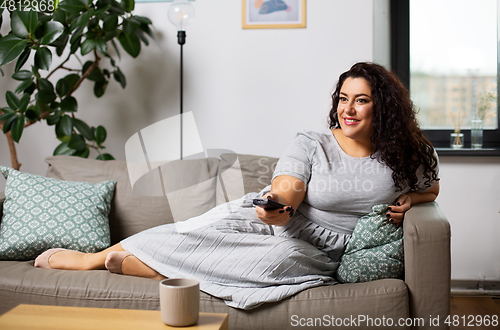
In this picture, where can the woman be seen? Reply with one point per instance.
(374, 153)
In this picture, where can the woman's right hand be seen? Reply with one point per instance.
(278, 217)
(287, 190)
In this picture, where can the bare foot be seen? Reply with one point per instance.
(134, 267)
(68, 260)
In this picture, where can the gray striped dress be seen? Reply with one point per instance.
(240, 259)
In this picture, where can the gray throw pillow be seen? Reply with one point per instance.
(41, 213)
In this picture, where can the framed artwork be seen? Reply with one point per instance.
(274, 14)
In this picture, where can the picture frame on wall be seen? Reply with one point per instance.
(274, 14)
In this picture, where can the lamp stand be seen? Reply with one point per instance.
(181, 40)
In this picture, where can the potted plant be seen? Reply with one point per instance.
(482, 111)
(85, 30)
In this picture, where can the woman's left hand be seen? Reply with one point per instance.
(397, 211)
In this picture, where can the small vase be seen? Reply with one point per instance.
(457, 140)
(476, 134)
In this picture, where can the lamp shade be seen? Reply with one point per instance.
(181, 13)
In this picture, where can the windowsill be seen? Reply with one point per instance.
(468, 152)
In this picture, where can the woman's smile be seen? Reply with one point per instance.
(355, 109)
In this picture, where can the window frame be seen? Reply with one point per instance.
(400, 63)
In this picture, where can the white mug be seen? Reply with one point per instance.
(179, 301)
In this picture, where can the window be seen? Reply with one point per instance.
(445, 51)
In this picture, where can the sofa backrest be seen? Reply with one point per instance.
(132, 210)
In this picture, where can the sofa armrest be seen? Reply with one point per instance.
(2, 199)
(427, 263)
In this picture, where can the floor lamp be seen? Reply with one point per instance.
(181, 13)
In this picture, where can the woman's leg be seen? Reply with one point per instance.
(75, 260)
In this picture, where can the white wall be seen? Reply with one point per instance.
(470, 198)
(252, 90)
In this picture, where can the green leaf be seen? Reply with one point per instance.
(31, 114)
(25, 86)
(116, 8)
(75, 45)
(23, 103)
(64, 127)
(7, 125)
(105, 157)
(63, 149)
(128, 5)
(51, 31)
(43, 58)
(101, 46)
(117, 51)
(131, 44)
(103, 9)
(54, 118)
(87, 46)
(45, 85)
(143, 20)
(100, 88)
(100, 135)
(77, 142)
(83, 128)
(59, 16)
(72, 6)
(46, 96)
(120, 77)
(93, 23)
(22, 75)
(23, 23)
(86, 2)
(69, 104)
(142, 36)
(7, 115)
(72, 79)
(110, 23)
(84, 153)
(145, 28)
(10, 48)
(61, 43)
(22, 59)
(84, 19)
(17, 128)
(12, 100)
(43, 18)
(96, 74)
(62, 87)
(76, 34)
(130, 25)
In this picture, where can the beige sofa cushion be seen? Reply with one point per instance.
(188, 186)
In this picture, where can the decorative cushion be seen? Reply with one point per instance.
(41, 213)
(133, 211)
(375, 250)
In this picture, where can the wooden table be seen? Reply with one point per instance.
(75, 318)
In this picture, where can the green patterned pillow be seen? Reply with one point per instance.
(40, 213)
(375, 250)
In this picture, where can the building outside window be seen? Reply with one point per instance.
(447, 52)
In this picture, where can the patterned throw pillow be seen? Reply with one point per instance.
(375, 250)
(41, 213)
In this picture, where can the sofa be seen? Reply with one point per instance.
(412, 302)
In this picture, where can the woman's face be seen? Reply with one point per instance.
(355, 109)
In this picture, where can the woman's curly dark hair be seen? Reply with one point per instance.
(396, 135)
